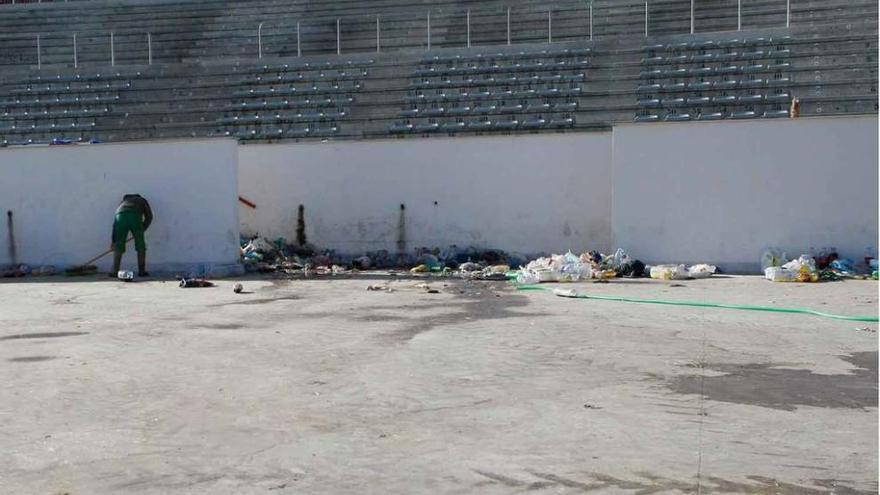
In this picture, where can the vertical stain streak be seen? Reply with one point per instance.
(11, 232)
(301, 226)
(401, 230)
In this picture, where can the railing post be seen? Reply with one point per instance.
(75, 64)
(646, 18)
(298, 47)
(149, 49)
(260, 40)
(692, 16)
(739, 15)
(377, 34)
(39, 57)
(112, 51)
(338, 38)
(429, 30)
(508, 26)
(469, 28)
(787, 13)
(549, 26)
(591, 20)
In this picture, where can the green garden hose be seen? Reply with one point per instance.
(708, 305)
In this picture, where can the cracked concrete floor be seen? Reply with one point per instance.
(320, 386)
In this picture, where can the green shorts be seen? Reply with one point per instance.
(129, 221)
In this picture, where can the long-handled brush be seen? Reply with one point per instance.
(88, 268)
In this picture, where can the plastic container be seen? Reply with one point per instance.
(125, 275)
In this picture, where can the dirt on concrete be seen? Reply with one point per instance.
(321, 386)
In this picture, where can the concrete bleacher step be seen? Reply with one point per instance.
(204, 55)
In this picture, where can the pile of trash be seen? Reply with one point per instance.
(263, 255)
(23, 270)
(826, 265)
(595, 265)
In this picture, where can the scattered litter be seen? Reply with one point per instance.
(44, 271)
(237, 288)
(556, 268)
(701, 271)
(125, 275)
(188, 283)
(420, 269)
(773, 257)
(842, 268)
(565, 292)
(469, 266)
(21, 270)
(362, 263)
(825, 257)
(802, 269)
(432, 291)
(669, 272)
(377, 288)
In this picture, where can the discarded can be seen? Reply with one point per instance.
(125, 275)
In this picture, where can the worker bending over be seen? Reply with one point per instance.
(132, 215)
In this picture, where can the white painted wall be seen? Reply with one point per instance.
(525, 193)
(722, 192)
(63, 200)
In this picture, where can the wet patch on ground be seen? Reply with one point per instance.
(259, 300)
(31, 359)
(777, 388)
(473, 301)
(42, 335)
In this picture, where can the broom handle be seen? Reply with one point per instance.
(105, 253)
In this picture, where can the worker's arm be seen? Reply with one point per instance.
(148, 215)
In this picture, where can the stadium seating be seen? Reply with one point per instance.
(202, 75)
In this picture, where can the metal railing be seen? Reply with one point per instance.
(20, 2)
(494, 26)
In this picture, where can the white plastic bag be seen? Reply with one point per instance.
(802, 269)
(701, 270)
(669, 272)
(773, 257)
(779, 274)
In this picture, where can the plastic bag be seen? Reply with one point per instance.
(669, 272)
(557, 268)
(843, 267)
(701, 271)
(773, 257)
(779, 274)
(805, 267)
(802, 269)
(258, 245)
(527, 277)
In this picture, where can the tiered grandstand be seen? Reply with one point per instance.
(264, 70)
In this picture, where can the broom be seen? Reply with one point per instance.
(88, 268)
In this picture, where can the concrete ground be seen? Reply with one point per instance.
(320, 386)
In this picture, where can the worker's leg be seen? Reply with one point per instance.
(120, 235)
(117, 260)
(137, 230)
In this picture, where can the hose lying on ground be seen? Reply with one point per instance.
(576, 295)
